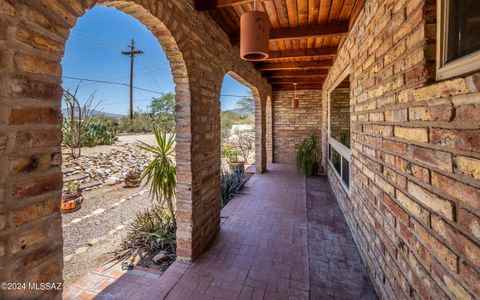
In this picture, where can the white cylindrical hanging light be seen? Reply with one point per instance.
(295, 100)
(254, 35)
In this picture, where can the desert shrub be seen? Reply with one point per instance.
(151, 231)
(231, 184)
(307, 154)
(93, 134)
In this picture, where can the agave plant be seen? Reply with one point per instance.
(161, 173)
(231, 184)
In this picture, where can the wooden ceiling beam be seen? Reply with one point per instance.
(319, 64)
(300, 86)
(295, 80)
(306, 31)
(309, 31)
(203, 5)
(295, 73)
(304, 53)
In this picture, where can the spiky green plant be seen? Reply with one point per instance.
(307, 154)
(231, 184)
(161, 173)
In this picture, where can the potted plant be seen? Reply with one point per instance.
(233, 158)
(72, 198)
(307, 155)
(134, 177)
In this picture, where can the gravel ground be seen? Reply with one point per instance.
(92, 233)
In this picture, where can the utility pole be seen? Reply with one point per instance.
(132, 52)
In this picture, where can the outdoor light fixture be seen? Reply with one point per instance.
(295, 100)
(254, 35)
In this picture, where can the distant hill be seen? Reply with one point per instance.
(239, 112)
(98, 113)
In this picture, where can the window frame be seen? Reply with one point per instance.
(341, 149)
(460, 66)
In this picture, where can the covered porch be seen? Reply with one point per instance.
(283, 237)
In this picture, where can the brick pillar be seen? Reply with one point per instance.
(269, 129)
(260, 134)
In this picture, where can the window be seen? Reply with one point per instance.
(339, 130)
(458, 37)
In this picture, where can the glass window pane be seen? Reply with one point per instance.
(336, 160)
(340, 113)
(346, 172)
(330, 152)
(463, 36)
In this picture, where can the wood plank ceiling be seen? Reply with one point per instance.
(304, 38)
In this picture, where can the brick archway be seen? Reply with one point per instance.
(31, 181)
(260, 134)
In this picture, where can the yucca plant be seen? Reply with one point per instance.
(307, 154)
(161, 173)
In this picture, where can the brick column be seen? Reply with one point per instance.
(269, 129)
(260, 134)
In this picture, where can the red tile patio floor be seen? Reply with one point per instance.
(266, 248)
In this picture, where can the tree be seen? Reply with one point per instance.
(163, 108)
(163, 105)
(246, 105)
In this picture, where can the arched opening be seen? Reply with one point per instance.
(38, 77)
(238, 101)
(114, 97)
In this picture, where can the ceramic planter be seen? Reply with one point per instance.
(238, 168)
(133, 180)
(71, 202)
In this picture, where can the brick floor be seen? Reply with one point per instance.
(266, 249)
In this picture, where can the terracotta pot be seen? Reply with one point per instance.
(133, 180)
(254, 35)
(295, 102)
(238, 168)
(71, 202)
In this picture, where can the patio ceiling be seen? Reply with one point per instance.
(304, 38)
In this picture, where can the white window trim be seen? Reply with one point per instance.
(339, 147)
(460, 66)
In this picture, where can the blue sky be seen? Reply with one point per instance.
(93, 51)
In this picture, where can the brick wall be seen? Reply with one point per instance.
(32, 40)
(415, 184)
(339, 113)
(290, 125)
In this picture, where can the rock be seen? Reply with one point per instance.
(160, 257)
(92, 242)
(81, 250)
(68, 257)
(112, 180)
(76, 220)
(98, 211)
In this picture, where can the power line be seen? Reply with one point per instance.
(136, 87)
(113, 83)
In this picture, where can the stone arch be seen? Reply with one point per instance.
(259, 133)
(30, 126)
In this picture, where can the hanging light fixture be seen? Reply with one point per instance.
(254, 35)
(295, 100)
